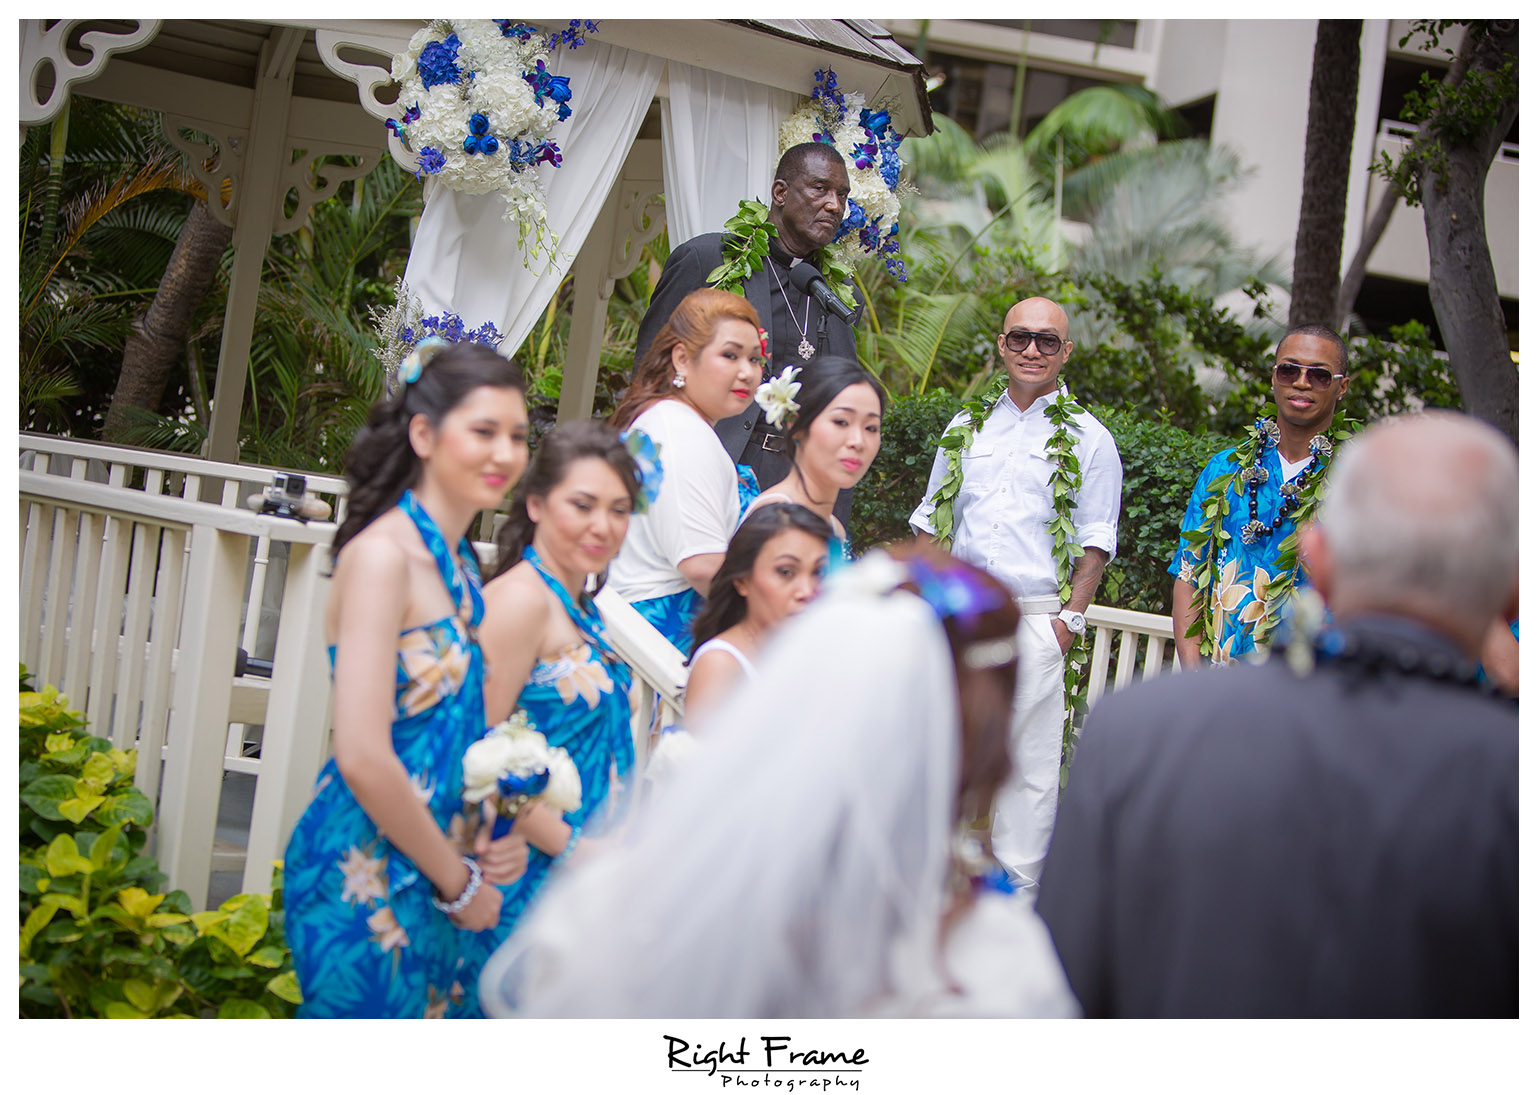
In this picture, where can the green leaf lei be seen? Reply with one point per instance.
(745, 246)
(1064, 483)
(1209, 538)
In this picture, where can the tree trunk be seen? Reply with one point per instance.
(1356, 273)
(1326, 171)
(1462, 280)
(158, 337)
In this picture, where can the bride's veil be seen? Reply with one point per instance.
(797, 867)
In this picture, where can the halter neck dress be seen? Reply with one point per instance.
(366, 939)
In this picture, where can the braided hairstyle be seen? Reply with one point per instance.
(724, 606)
(558, 451)
(380, 464)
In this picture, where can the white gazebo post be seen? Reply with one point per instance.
(631, 218)
(255, 216)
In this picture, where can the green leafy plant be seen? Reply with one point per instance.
(97, 938)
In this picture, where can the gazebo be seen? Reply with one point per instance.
(275, 115)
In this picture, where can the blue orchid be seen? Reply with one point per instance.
(648, 461)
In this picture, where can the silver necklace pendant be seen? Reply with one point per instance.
(806, 350)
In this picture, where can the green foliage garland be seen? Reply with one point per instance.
(1064, 483)
(745, 247)
(1209, 538)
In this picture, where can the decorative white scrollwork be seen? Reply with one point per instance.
(642, 206)
(313, 178)
(371, 79)
(43, 45)
(216, 161)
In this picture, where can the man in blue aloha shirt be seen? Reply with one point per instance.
(1308, 380)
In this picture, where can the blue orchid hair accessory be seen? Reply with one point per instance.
(955, 593)
(648, 461)
(411, 368)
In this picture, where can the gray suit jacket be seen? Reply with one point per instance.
(1242, 842)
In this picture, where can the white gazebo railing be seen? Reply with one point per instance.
(135, 597)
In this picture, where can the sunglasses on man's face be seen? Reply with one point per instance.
(1019, 338)
(1319, 378)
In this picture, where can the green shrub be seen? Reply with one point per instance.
(1159, 465)
(910, 434)
(97, 936)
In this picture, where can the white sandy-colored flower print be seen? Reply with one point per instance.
(387, 931)
(363, 877)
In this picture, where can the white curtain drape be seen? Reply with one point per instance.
(720, 144)
(466, 259)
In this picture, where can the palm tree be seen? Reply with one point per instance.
(102, 199)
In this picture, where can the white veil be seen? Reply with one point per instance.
(797, 868)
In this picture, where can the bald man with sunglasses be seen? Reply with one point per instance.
(1308, 380)
(1001, 512)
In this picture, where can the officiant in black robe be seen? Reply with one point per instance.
(807, 200)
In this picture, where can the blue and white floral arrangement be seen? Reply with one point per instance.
(868, 142)
(477, 105)
(404, 324)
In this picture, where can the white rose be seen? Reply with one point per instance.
(674, 752)
(564, 791)
(484, 764)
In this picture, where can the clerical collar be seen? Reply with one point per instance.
(782, 256)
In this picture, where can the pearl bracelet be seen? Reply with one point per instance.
(468, 894)
(571, 842)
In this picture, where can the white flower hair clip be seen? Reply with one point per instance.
(778, 397)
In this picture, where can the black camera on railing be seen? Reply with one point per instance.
(284, 496)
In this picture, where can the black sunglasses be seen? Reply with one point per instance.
(1019, 338)
(1319, 377)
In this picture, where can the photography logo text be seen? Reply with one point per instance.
(773, 1063)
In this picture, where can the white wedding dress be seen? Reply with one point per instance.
(797, 867)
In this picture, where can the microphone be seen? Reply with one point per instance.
(809, 280)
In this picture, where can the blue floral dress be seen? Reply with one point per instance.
(359, 919)
(580, 701)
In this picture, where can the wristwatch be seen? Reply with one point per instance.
(1073, 621)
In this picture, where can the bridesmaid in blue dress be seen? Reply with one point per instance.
(835, 432)
(383, 877)
(546, 646)
(704, 365)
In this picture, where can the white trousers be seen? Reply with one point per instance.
(1026, 807)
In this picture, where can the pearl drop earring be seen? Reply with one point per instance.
(678, 380)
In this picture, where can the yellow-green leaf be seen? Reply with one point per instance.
(269, 956)
(141, 994)
(118, 1010)
(207, 919)
(122, 762)
(37, 920)
(165, 920)
(243, 1009)
(98, 771)
(101, 851)
(139, 902)
(244, 924)
(285, 986)
(64, 857)
(76, 809)
(57, 743)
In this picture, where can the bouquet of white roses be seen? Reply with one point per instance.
(477, 105)
(516, 764)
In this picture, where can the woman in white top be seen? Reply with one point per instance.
(773, 568)
(703, 366)
(834, 408)
(876, 731)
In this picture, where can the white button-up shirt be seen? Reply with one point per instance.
(1005, 502)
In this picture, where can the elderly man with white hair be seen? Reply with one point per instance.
(1333, 833)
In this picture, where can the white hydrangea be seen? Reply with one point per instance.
(492, 84)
